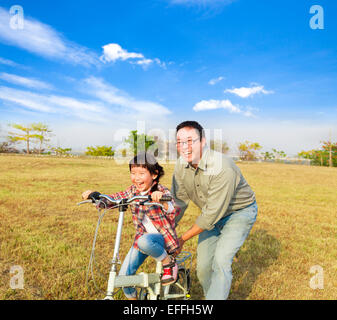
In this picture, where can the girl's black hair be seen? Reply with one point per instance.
(148, 161)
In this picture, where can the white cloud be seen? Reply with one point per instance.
(111, 95)
(108, 103)
(249, 112)
(144, 62)
(214, 81)
(8, 62)
(206, 105)
(162, 64)
(113, 52)
(87, 110)
(13, 64)
(245, 92)
(26, 99)
(26, 82)
(216, 104)
(43, 40)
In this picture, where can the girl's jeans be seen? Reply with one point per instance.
(151, 244)
(217, 248)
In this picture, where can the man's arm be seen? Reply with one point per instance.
(190, 233)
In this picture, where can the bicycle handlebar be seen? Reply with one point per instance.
(146, 200)
(135, 198)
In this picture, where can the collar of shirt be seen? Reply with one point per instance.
(203, 161)
(143, 193)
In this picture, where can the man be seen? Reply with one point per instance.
(228, 207)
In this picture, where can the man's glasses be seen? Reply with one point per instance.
(189, 142)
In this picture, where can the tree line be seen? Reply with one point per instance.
(36, 138)
(325, 156)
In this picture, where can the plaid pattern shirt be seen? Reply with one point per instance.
(163, 221)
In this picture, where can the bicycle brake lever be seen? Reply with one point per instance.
(85, 201)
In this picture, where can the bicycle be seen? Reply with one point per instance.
(149, 283)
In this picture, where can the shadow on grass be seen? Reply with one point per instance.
(259, 251)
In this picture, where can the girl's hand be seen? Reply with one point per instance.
(156, 196)
(85, 194)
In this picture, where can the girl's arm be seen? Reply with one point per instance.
(156, 197)
(171, 210)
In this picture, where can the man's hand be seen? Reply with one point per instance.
(180, 243)
(190, 233)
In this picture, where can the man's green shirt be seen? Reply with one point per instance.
(217, 187)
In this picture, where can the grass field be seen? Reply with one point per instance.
(43, 231)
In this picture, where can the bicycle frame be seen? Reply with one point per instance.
(145, 280)
(149, 281)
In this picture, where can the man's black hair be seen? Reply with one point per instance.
(192, 124)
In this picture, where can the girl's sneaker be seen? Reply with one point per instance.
(170, 273)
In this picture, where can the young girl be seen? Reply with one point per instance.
(155, 227)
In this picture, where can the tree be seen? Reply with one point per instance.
(42, 135)
(25, 136)
(247, 150)
(326, 156)
(33, 132)
(140, 142)
(279, 154)
(268, 155)
(219, 146)
(100, 151)
(62, 151)
(331, 148)
(273, 155)
(7, 147)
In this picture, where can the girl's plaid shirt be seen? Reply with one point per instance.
(163, 221)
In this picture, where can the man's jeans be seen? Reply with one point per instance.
(151, 244)
(217, 248)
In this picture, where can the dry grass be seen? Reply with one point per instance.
(44, 232)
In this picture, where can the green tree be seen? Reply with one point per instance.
(100, 151)
(331, 149)
(140, 142)
(219, 146)
(42, 134)
(124, 152)
(25, 134)
(279, 154)
(326, 156)
(247, 150)
(62, 151)
(268, 155)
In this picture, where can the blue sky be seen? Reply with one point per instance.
(93, 70)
